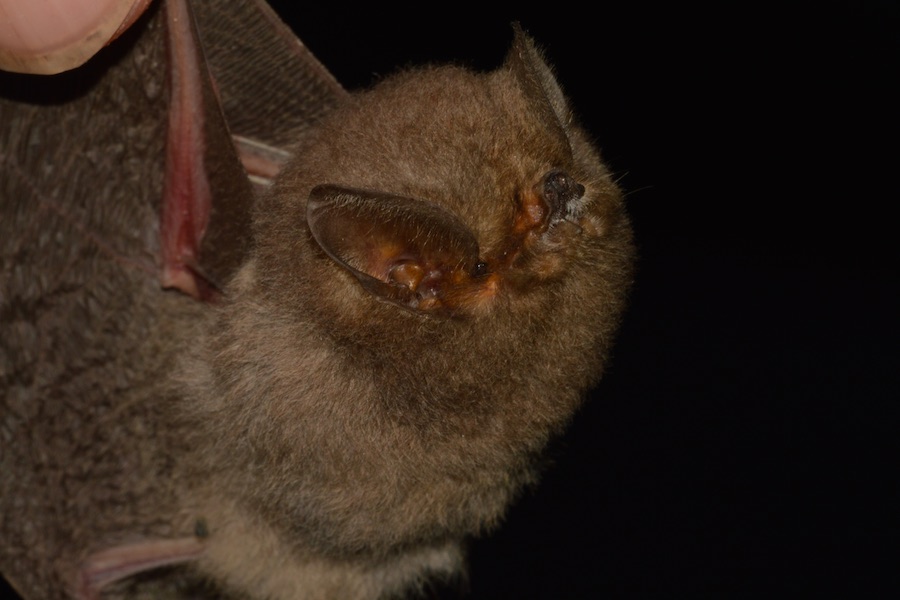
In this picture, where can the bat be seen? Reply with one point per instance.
(267, 339)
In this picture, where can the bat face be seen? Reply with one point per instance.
(448, 193)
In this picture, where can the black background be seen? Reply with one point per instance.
(743, 442)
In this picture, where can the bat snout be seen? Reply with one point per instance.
(562, 194)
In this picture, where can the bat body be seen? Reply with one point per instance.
(379, 348)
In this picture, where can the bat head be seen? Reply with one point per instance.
(450, 194)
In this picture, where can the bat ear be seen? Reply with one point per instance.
(405, 251)
(538, 84)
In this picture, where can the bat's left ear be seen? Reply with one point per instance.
(535, 78)
(402, 250)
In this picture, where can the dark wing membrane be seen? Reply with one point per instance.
(272, 88)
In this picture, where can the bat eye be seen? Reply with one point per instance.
(480, 269)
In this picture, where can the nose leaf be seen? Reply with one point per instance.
(559, 191)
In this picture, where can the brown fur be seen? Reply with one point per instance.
(337, 445)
